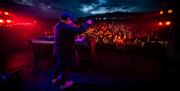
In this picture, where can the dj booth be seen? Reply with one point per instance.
(43, 49)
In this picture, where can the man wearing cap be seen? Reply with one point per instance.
(64, 49)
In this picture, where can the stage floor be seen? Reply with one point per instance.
(111, 71)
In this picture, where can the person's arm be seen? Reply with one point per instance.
(81, 29)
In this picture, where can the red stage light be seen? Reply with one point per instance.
(6, 13)
(1, 21)
(170, 11)
(160, 23)
(168, 23)
(8, 21)
(161, 12)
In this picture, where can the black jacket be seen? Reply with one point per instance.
(65, 37)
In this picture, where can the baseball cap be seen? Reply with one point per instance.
(66, 16)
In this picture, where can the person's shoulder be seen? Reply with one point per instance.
(57, 24)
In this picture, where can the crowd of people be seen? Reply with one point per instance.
(118, 33)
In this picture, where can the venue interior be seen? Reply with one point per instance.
(131, 45)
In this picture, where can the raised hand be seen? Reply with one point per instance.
(89, 21)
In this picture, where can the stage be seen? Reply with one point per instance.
(111, 71)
